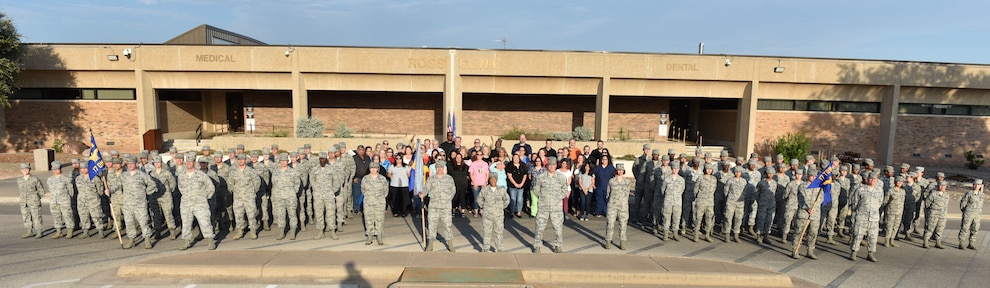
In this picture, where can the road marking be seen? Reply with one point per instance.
(50, 283)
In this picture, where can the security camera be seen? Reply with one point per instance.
(127, 53)
(728, 62)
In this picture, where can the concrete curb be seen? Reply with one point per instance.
(550, 269)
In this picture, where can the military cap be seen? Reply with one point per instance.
(683, 155)
(737, 169)
(283, 157)
(375, 165)
(618, 166)
(708, 154)
(441, 164)
(307, 146)
(323, 155)
(723, 153)
(551, 160)
(75, 161)
(114, 152)
(117, 161)
(342, 145)
(646, 146)
(754, 155)
(809, 157)
(940, 174)
(56, 165)
(665, 157)
(889, 168)
(978, 182)
(795, 162)
(899, 179)
(231, 150)
(655, 152)
(25, 166)
(156, 159)
(240, 146)
(671, 151)
(697, 151)
(767, 159)
(675, 165)
(207, 147)
(943, 184)
(335, 147)
(173, 150)
(266, 150)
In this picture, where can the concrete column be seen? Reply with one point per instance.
(746, 130)
(147, 105)
(601, 108)
(888, 125)
(300, 97)
(453, 98)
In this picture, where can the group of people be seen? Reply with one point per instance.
(671, 195)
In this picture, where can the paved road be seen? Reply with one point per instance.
(91, 262)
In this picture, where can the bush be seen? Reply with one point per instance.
(342, 131)
(311, 127)
(582, 133)
(792, 145)
(972, 162)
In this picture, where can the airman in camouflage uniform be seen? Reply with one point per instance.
(244, 183)
(31, 190)
(136, 187)
(551, 189)
(493, 199)
(327, 180)
(165, 182)
(375, 189)
(971, 205)
(790, 200)
(936, 205)
(809, 200)
(196, 189)
(88, 203)
(60, 187)
(704, 203)
(735, 204)
(865, 204)
(673, 187)
(286, 185)
(618, 192)
(894, 201)
(440, 188)
(766, 193)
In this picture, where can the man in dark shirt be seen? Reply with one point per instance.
(522, 144)
(448, 146)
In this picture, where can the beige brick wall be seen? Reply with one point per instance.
(839, 132)
(33, 124)
(934, 136)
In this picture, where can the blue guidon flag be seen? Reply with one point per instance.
(824, 181)
(95, 163)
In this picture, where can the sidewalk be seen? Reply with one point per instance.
(421, 269)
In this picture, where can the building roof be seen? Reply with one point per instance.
(208, 35)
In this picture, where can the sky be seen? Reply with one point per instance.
(933, 31)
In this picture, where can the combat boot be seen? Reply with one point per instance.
(869, 256)
(852, 256)
(333, 234)
(85, 234)
(28, 234)
(450, 245)
(369, 240)
(608, 245)
(147, 242)
(239, 235)
(381, 241)
(811, 254)
(429, 245)
(253, 233)
(281, 235)
(187, 245)
(622, 245)
(318, 236)
(173, 233)
(925, 245)
(938, 244)
(70, 234)
(751, 231)
(213, 244)
(129, 243)
(58, 233)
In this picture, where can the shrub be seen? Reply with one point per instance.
(342, 131)
(972, 162)
(792, 145)
(311, 127)
(582, 133)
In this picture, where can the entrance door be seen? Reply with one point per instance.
(235, 111)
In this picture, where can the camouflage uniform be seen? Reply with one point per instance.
(196, 190)
(971, 205)
(894, 201)
(137, 186)
(31, 191)
(551, 189)
(441, 191)
(865, 204)
(61, 191)
(704, 204)
(673, 188)
(286, 185)
(166, 185)
(244, 185)
(492, 200)
(327, 182)
(618, 207)
(735, 204)
(375, 188)
(88, 203)
(936, 205)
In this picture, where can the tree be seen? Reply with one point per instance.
(10, 52)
